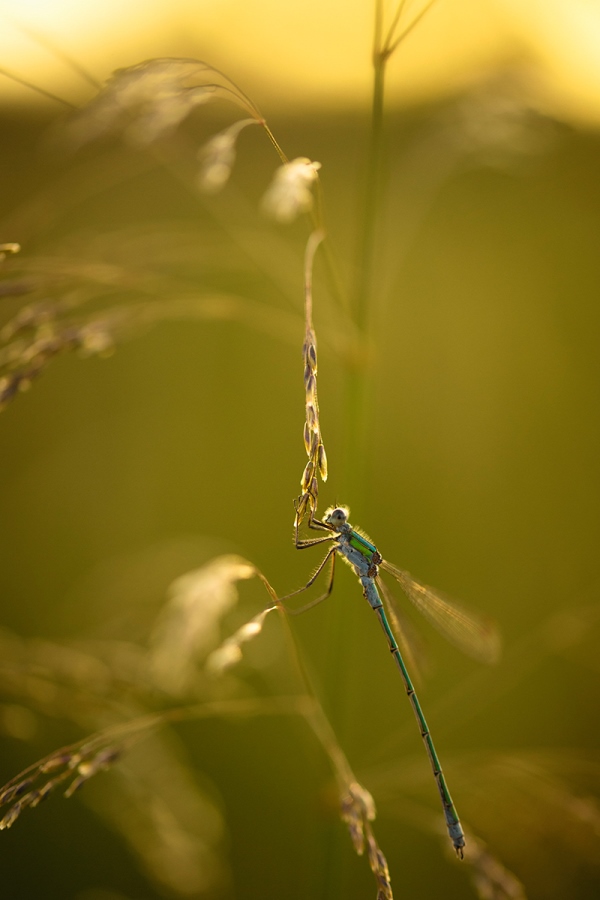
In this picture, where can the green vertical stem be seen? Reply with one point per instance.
(358, 397)
(359, 388)
(372, 198)
(359, 380)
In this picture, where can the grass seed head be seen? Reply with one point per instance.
(308, 439)
(322, 462)
(217, 157)
(358, 811)
(148, 101)
(230, 652)
(311, 390)
(11, 816)
(312, 416)
(189, 627)
(289, 193)
(8, 795)
(310, 352)
(307, 475)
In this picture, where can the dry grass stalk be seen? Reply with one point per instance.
(24, 361)
(357, 804)
(68, 308)
(190, 623)
(144, 103)
(196, 598)
(358, 811)
(77, 764)
(313, 442)
(148, 101)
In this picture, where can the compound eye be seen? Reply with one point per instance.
(338, 516)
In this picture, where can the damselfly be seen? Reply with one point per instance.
(470, 633)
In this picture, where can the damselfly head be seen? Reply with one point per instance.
(336, 516)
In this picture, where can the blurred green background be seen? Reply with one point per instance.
(482, 478)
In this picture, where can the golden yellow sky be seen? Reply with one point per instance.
(306, 52)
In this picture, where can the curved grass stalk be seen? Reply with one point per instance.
(76, 763)
(70, 767)
(356, 803)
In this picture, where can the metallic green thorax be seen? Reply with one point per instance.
(363, 546)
